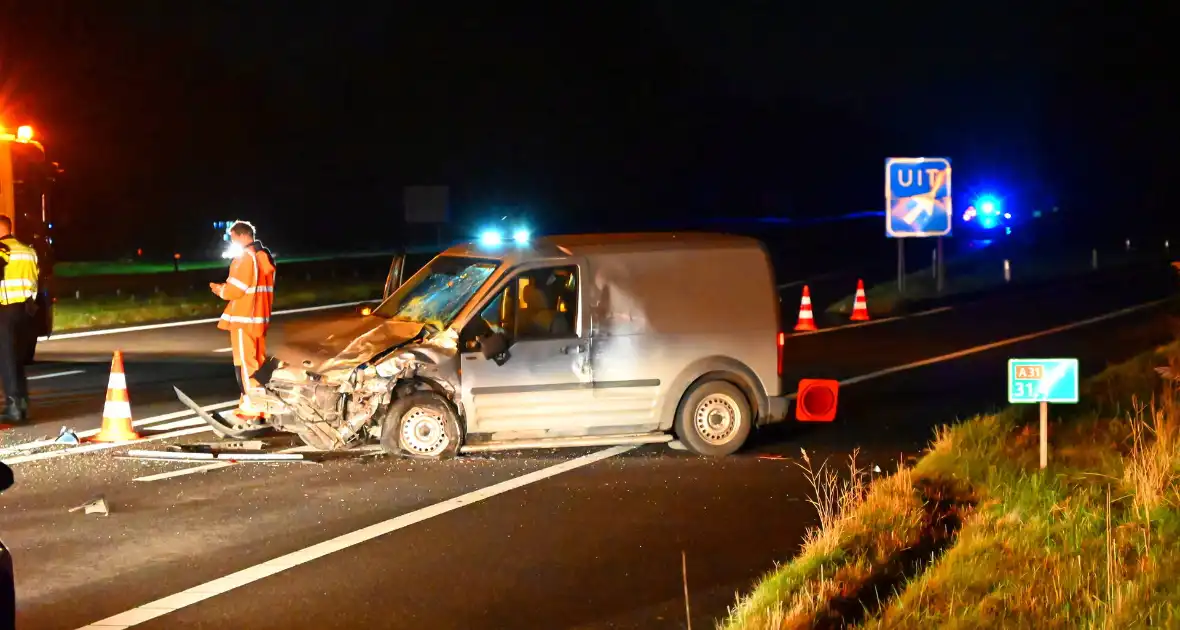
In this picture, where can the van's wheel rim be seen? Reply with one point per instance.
(717, 419)
(424, 432)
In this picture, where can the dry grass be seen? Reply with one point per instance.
(862, 526)
(1092, 542)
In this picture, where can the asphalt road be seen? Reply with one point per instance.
(544, 539)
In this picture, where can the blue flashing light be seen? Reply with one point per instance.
(988, 207)
(491, 238)
(1007, 215)
(988, 221)
(520, 236)
(1007, 230)
(51, 226)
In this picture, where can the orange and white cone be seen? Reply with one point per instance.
(806, 319)
(860, 306)
(116, 413)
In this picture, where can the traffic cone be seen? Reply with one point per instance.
(806, 319)
(860, 307)
(116, 413)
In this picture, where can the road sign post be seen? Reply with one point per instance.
(900, 267)
(918, 205)
(1043, 381)
(940, 267)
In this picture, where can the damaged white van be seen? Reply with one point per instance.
(566, 341)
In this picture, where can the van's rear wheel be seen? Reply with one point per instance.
(714, 419)
(422, 425)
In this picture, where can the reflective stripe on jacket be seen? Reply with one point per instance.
(249, 291)
(20, 271)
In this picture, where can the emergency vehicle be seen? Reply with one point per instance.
(26, 183)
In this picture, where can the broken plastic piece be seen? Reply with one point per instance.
(97, 506)
(239, 445)
(66, 436)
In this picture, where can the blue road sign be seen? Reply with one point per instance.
(1042, 380)
(917, 197)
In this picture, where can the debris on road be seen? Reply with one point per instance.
(222, 426)
(240, 445)
(207, 455)
(67, 436)
(97, 506)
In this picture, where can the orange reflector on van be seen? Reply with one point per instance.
(816, 400)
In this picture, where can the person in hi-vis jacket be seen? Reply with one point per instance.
(250, 293)
(18, 291)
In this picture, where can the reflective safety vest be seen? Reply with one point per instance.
(250, 291)
(20, 271)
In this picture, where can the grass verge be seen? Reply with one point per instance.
(102, 312)
(76, 269)
(979, 271)
(975, 535)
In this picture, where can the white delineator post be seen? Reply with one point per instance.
(1044, 435)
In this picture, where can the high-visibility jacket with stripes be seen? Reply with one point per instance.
(20, 271)
(249, 291)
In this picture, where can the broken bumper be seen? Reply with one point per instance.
(777, 409)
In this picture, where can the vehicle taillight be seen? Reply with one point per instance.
(782, 338)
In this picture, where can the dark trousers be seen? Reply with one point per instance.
(14, 323)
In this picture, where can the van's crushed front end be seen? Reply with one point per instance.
(338, 403)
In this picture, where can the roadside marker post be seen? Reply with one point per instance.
(1043, 381)
(918, 205)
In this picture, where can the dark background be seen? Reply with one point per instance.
(309, 118)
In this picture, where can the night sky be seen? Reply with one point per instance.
(621, 115)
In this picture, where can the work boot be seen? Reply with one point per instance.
(14, 411)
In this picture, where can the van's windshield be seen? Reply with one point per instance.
(435, 295)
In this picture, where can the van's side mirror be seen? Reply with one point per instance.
(394, 279)
(495, 348)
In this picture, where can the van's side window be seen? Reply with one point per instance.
(537, 304)
(546, 303)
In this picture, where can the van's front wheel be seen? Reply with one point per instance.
(714, 419)
(422, 425)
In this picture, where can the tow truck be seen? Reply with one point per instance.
(27, 179)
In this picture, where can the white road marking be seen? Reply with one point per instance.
(143, 422)
(1003, 342)
(230, 349)
(933, 311)
(207, 467)
(191, 322)
(56, 374)
(102, 446)
(249, 575)
(991, 346)
(184, 423)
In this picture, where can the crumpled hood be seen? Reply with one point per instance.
(341, 343)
